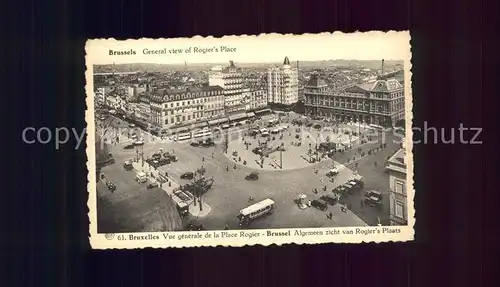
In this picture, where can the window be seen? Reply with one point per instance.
(399, 210)
(399, 186)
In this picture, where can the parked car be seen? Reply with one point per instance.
(257, 151)
(373, 198)
(129, 146)
(170, 157)
(207, 143)
(332, 200)
(187, 175)
(195, 144)
(252, 176)
(128, 165)
(332, 172)
(354, 185)
(152, 185)
(111, 186)
(253, 133)
(320, 204)
(358, 183)
(341, 189)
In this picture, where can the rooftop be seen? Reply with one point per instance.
(398, 158)
(388, 85)
(316, 82)
(165, 95)
(286, 61)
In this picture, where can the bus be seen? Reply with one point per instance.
(255, 211)
(183, 136)
(202, 134)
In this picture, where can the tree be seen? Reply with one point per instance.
(226, 141)
(199, 186)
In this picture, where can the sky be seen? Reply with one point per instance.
(270, 48)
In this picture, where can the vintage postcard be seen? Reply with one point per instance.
(250, 140)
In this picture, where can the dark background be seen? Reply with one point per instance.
(45, 240)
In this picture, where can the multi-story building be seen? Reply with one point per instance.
(99, 95)
(231, 80)
(378, 102)
(396, 167)
(282, 84)
(258, 99)
(142, 110)
(174, 107)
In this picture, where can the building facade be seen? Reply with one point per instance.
(396, 167)
(99, 95)
(282, 84)
(171, 108)
(258, 99)
(142, 109)
(379, 102)
(231, 80)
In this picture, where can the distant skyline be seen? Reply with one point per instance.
(370, 64)
(269, 49)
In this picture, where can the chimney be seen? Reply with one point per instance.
(382, 67)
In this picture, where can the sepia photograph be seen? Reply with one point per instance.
(241, 140)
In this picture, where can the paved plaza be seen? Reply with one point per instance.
(230, 192)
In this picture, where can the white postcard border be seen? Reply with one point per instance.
(178, 239)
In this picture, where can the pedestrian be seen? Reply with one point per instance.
(226, 227)
(212, 155)
(331, 215)
(227, 168)
(203, 159)
(375, 163)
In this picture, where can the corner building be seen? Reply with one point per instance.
(171, 108)
(231, 80)
(379, 102)
(396, 167)
(283, 84)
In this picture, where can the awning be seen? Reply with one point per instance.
(263, 111)
(217, 121)
(200, 125)
(176, 130)
(237, 117)
(250, 114)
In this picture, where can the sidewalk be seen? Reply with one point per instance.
(152, 177)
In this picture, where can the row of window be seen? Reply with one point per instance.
(195, 116)
(194, 101)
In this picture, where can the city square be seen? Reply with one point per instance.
(231, 192)
(250, 148)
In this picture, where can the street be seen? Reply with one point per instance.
(230, 191)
